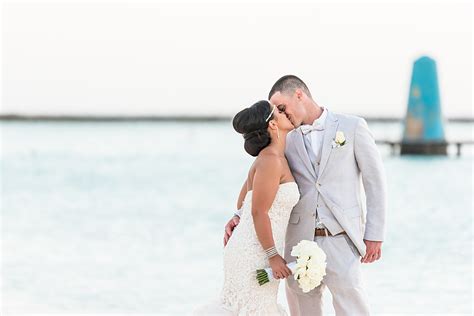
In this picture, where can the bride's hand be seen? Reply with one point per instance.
(279, 268)
(234, 221)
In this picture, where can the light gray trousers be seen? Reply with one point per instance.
(343, 278)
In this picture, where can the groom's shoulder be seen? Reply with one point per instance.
(291, 135)
(349, 120)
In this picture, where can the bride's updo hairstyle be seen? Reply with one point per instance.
(252, 123)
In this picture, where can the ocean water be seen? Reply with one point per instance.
(128, 217)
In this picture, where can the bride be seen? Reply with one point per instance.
(265, 202)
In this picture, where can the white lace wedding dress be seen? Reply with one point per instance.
(243, 255)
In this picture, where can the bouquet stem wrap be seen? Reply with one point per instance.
(266, 275)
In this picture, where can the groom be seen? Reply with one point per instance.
(331, 155)
(339, 172)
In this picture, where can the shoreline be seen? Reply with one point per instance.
(152, 118)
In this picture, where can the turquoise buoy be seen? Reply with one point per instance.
(423, 131)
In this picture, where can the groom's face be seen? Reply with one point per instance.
(290, 105)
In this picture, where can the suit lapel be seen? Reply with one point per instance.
(301, 149)
(329, 135)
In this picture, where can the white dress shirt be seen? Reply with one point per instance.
(316, 135)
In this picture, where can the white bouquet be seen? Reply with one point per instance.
(308, 269)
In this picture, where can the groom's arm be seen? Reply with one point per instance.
(373, 177)
(234, 221)
(243, 193)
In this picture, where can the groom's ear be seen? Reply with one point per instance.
(299, 93)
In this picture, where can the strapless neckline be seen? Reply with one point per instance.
(280, 185)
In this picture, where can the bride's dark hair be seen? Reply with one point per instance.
(251, 123)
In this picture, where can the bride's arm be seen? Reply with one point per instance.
(265, 186)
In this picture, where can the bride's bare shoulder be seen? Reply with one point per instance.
(268, 161)
(267, 166)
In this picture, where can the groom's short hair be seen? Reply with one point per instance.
(288, 84)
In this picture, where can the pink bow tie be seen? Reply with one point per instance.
(309, 128)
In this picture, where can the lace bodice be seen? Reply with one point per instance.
(286, 197)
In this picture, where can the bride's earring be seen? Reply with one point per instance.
(278, 133)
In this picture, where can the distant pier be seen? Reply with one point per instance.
(395, 146)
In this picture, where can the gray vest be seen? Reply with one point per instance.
(315, 162)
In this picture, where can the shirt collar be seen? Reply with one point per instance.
(321, 120)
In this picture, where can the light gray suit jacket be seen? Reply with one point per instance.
(350, 191)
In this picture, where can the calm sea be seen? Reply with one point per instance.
(128, 217)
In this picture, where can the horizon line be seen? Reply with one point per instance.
(178, 118)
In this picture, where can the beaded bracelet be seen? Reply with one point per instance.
(271, 252)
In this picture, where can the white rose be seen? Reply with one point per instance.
(340, 137)
(305, 284)
(300, 273)
(303, 258)
(317, 260)
(315, 282)
(296, 250)
(301, 264)
(301, 248)
(316, 273)
(317, 252)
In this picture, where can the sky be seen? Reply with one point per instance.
(198, 58)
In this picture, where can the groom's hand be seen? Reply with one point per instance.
(373, 251)
(234, 221)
